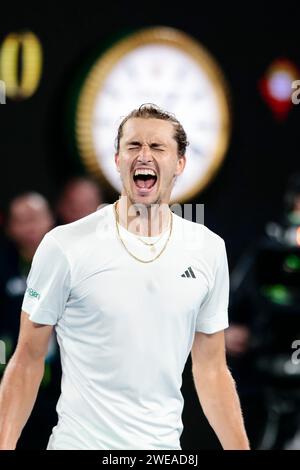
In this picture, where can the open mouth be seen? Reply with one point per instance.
(144, 179)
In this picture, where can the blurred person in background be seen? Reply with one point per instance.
(264, 300)
(80, 196)
(27, 220)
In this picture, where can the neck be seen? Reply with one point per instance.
(141, 219)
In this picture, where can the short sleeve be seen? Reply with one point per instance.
(213, 313)
(48, 283)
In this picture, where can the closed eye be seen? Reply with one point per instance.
(137, 145)
(158, 147)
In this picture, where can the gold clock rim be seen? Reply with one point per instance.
(105, 63)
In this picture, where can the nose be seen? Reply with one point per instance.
(145, 154)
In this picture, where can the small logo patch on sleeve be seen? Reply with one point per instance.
(33, 293)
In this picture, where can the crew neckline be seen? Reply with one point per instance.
(143, 237)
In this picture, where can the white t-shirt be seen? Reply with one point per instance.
(125, 328)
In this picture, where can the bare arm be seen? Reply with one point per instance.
(216, 390)
(21, 380)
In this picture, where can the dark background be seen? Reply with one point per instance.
(248, 189)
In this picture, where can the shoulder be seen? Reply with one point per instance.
(82, 231)
(198, 236)
(204, 247)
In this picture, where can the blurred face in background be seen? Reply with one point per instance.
(79, 199)
(29, 220)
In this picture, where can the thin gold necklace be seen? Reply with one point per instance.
(129, 252)
(159, 238)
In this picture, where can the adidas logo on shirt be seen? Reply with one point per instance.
(188, 273)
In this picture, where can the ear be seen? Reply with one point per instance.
(180, 165)
(117, 161)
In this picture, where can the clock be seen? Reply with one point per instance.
(167, 67)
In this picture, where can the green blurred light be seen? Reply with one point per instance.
(47, 376)
(292, 263)
(277, 293)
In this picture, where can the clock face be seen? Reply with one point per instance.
(165, 67)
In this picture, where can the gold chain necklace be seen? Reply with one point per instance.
(156, 241)
(129, 252)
